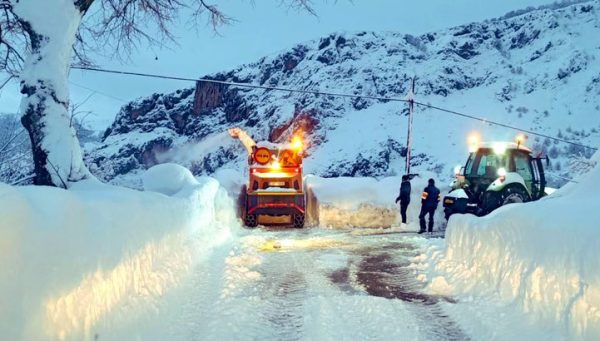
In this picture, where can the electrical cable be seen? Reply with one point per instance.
(334, 94)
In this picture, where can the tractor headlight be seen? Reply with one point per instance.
(502, 174)
(457, 170)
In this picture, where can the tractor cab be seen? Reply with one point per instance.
(494, 175)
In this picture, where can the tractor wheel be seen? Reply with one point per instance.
(447, 213)
(298, 220)
(514, 195)
(490, 201)
(251, 220)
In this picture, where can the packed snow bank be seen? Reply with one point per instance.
(363, 202)
(231, 180)
(346, 202)
(167, 178)
(541, 256)
(76, 264)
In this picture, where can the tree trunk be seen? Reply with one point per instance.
(52, 26)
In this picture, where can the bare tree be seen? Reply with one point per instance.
(40, 40)
(15, 152)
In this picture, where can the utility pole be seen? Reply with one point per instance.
(411, 105)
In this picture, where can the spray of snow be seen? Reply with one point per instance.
(195, 151)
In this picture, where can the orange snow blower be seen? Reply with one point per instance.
(274, 193)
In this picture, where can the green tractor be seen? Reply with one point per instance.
(495, 174)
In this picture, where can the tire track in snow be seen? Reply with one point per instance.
(304, 291)
(283, 291)
(383, 274)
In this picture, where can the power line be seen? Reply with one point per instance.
(504, 125)
(240, 85)
(334, 94)
(98, 92)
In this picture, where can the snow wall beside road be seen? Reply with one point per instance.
(96, 260)
(541, 256)
(364, 202)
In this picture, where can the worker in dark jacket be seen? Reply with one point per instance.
(429, 202)
(404, 197)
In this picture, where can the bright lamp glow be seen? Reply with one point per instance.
(297, 143)
(276, 165)
(473, 142)
(499, 148)
(520, 139)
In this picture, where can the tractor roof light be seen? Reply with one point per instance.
(520, 139)
(473, 141)
(499, 148)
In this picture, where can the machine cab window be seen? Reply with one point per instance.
(523, 168)
(485, 163)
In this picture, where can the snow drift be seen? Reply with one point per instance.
(97, 257)
(345, 202)
(363, 202)
(540, 256)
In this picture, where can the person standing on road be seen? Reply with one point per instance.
(429, 202)
(404, 197)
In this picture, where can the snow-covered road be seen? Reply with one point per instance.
(315, 284)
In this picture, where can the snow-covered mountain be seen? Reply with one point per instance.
(538, 70)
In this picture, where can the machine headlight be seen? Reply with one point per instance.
(297, 144)
(275, 165)
(457, 170)
(502, 174)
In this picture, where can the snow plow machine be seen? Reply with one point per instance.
(274, 194)
(496, 174)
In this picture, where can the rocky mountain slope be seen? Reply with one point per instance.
(538, 70)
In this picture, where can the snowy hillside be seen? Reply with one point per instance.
(537, 71)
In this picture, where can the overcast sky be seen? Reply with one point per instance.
(261, 29)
